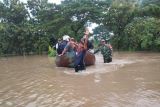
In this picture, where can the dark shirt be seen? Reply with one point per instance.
(61, 46)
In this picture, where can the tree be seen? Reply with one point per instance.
(116, 19)
(14, 15)
(78, 12)
(142, 34)
(148, 2)
(29, 27)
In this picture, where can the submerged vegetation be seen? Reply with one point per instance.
(33, 26)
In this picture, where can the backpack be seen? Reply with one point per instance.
(61, 47)
(90, 45)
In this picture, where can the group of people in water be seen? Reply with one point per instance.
(79, 49)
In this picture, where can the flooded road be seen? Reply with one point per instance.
(131, 80)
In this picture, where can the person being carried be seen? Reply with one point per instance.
(106, 51)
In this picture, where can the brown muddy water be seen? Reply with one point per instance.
(131, 80)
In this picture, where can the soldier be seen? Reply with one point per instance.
(106, 51)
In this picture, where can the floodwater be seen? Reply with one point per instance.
(131, 80)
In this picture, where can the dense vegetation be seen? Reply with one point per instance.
(30, 27)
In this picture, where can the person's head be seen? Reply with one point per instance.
(66, 38)
(59, 40)
(72, 39)
(103, 41)
(86, 31)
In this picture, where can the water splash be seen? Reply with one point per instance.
(101, 67)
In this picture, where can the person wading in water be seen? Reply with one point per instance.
(106, 51)
(81, 52)
(70, 51)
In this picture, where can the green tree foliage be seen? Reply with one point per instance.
(150, 10)
(148, 2)
(20, 35)
(142, 34)
(28, 27)
(130, 18)
(116, 19)
(102, 32)
(13, 34)
(78, 12)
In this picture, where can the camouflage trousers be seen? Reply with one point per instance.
(107, 59)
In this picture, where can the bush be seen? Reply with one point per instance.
(51, 52)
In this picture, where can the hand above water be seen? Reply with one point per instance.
(87, 31)
(60, 54)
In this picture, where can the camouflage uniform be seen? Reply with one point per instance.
(106, 52)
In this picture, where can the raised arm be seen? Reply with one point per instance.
(86, 38)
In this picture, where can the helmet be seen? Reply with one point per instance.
(66, 37)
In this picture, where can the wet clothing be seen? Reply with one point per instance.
(79, 62)
(71, 53)
(106, 51)
(80, 55)
(69, 48)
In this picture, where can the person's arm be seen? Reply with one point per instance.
(86, 38)
(97, 50)
(64, 51)
(76, 44)
(110, 46)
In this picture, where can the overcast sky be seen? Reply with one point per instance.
(55, 1)
(50, 1)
